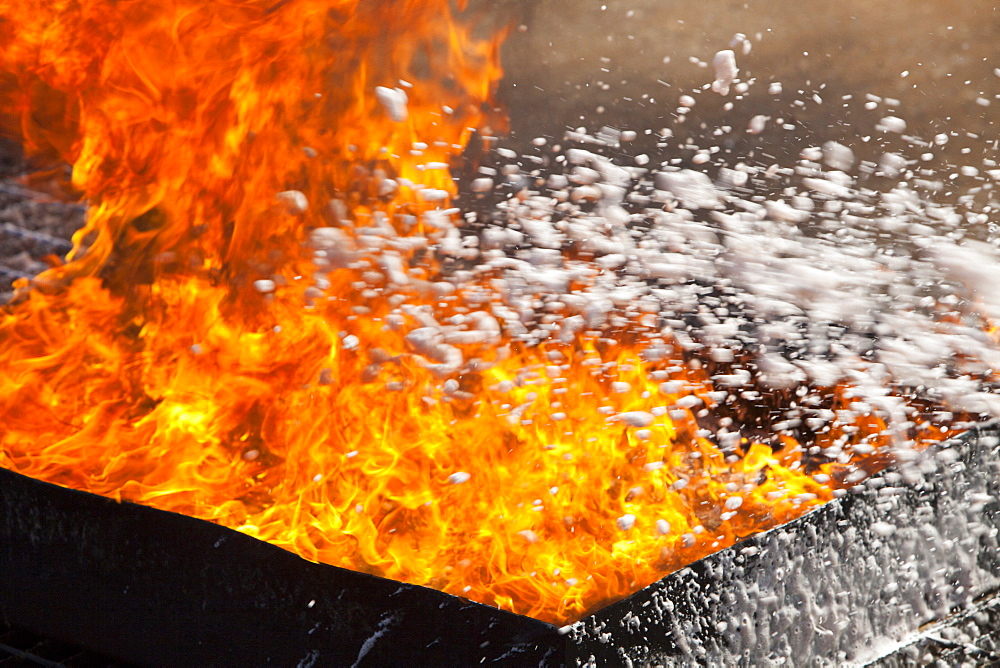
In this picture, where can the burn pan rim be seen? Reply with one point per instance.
(377, 622)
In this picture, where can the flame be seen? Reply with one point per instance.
(222, 342)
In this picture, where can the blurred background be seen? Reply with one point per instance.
(626, 64)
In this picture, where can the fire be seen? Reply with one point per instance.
(228, 339)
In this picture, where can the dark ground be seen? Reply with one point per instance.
(38, 215)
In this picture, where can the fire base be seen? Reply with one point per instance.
(851, 582)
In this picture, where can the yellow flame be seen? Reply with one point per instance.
(154, 368)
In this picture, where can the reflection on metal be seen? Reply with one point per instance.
(971, 635)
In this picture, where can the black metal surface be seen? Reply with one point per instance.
(24, 649)
(851, 583)
(157, 588)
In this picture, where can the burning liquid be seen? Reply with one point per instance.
(253, 328)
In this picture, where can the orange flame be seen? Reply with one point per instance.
(218, 349)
